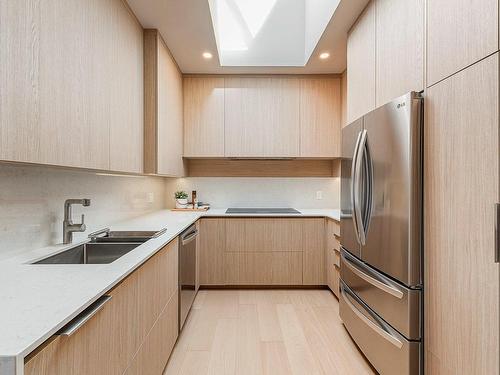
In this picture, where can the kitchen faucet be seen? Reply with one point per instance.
(68, 226)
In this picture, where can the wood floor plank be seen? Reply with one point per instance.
(329, 360)
(298, 351)
(195, 363)
(224, 350)
(247, 297)
(248, 358)
(269, 327)
(274, 359)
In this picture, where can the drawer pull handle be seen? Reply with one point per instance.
(380, 331)
(382, 286)
(81, 319)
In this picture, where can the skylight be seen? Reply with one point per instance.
(269, 32)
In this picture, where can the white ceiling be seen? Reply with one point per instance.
(186, 27)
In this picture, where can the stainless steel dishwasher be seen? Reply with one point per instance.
(187, 272)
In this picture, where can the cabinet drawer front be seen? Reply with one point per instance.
(153, 355)
(111, 331)
(264, 235)
(157, 281)
(280, 268)
(399, 305)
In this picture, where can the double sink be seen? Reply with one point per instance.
(104, 247)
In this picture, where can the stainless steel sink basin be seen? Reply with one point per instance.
(91, 253)
(105, 235)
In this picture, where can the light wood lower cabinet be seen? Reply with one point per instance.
(263, 268)
(333, 255)
(212, 245)
(262, 251)
(136, 329)
(156, 348)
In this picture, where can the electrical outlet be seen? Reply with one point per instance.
(151, 197)
(319, 194)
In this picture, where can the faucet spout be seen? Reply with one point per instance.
(68, 226)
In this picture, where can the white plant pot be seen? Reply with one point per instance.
(181, 203)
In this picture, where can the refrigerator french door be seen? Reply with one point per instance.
(381, 234)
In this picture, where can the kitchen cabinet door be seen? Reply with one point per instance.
(313, 237)
(399, 48)
(126, 99)
(154, 353)
(320, 117)
(361, 65)
(462, 287)
(261, 117)
(163, 124)
(459, 33)
(71, 84)
(212, 241)
(203, 117)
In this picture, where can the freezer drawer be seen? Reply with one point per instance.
(398, 305)
(387, 350)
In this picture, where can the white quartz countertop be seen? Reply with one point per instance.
(38, 300)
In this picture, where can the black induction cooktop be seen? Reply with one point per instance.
(233, 210)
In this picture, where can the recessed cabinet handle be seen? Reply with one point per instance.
(81, 319)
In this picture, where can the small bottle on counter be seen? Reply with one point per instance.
(194, 199)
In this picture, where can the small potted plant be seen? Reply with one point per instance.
(181, 200)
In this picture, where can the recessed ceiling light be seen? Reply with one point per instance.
(324, 56)
(207, 55)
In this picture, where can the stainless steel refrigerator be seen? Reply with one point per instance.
(381, 292)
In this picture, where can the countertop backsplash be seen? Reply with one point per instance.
(223, 192)
(32, 200)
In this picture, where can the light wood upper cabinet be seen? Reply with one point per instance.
(261, 117)
(343, 96)
(163, 109)
(462, 288)
(71, 84)
(361, 65)
(127, 92)
(320, 117)
(203, 117)
(399, 48)
(459, 33)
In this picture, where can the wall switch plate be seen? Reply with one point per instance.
(150, 197)
(319, 194)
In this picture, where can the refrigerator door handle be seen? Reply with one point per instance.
(346, 296)
(371, 280)
(357, 188)
(353, 189)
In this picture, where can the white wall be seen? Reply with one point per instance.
(32, 198)
(223, 192)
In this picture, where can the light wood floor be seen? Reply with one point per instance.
(268, 332)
